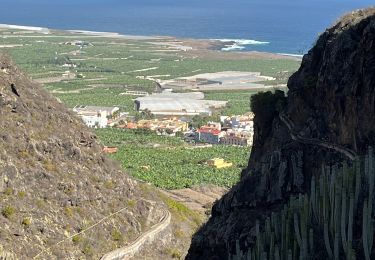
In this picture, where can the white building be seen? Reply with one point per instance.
(178, 104)
(99, 120)
(94, 116)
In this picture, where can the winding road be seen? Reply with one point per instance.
(130, 250)
(297, 137)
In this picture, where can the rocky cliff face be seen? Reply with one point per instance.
(306, 141)
(56, 182)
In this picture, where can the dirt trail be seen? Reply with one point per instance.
(150, 235)
(295, 136)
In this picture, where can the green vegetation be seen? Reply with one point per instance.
(68, 211)
(266, 106)
(116, 235)
(8, 211)
(239, 101)
(87, 249)
(181, 211)
(49, 166)
(141, 137)
(175, 253)
(26, 222)
(21, 194)
(335, 218)
(76, 239)
(265, 103)
(8, 191)
(169, 163)
(110, 67)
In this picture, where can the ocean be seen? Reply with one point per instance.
(280, 26)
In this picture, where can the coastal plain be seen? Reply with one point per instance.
(92, 68)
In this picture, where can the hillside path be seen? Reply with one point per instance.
(130, 250)
(297, 137)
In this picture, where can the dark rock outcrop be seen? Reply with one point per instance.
(328, 117)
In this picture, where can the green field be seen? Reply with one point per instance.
(119, 63)
(169, 163)
(111, 66)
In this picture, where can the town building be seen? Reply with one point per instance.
(209, 135)
(78, 43)
(162, 127)
(96, 117)
(237, 138)
(97, 120)
(178, 104)
(238, 121)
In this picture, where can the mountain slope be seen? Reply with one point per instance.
(55, 182)
(310, 164)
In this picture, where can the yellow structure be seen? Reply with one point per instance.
(172, 124)
(219, 163)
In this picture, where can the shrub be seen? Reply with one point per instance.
(174, 253)
(131, 203)
(116, 235)
(8, 191)
(265, 106)
(68, 211)
(26, 222)
(109, 185)
(87, 249)
(266, 103)
(8, 211)
(76, 239)
(40, 203)
(23, 154)
(49, 166)
(21, 194)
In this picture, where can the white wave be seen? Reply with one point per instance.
(239, 44)
(233, 47)
(243, 41)
(22, 27)
(292, 55)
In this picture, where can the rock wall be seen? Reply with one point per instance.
(331, 100)
(55, 181)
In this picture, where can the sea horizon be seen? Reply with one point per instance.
(290, 27)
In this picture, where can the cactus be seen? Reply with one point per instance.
(259, 243)
(364, 232)
(297, 231)
(272, 245)
(290, 255)
(277, 253)
(311, 240)
(358, 176)
(327, 214)
(350, 227)
(325, 221)
(343, 222)
(313, 199)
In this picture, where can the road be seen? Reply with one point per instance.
(297, 137)
(130, 250)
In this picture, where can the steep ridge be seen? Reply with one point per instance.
(308, 165)
(56, 182)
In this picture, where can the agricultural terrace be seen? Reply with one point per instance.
(169, 163)
(100, 71)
